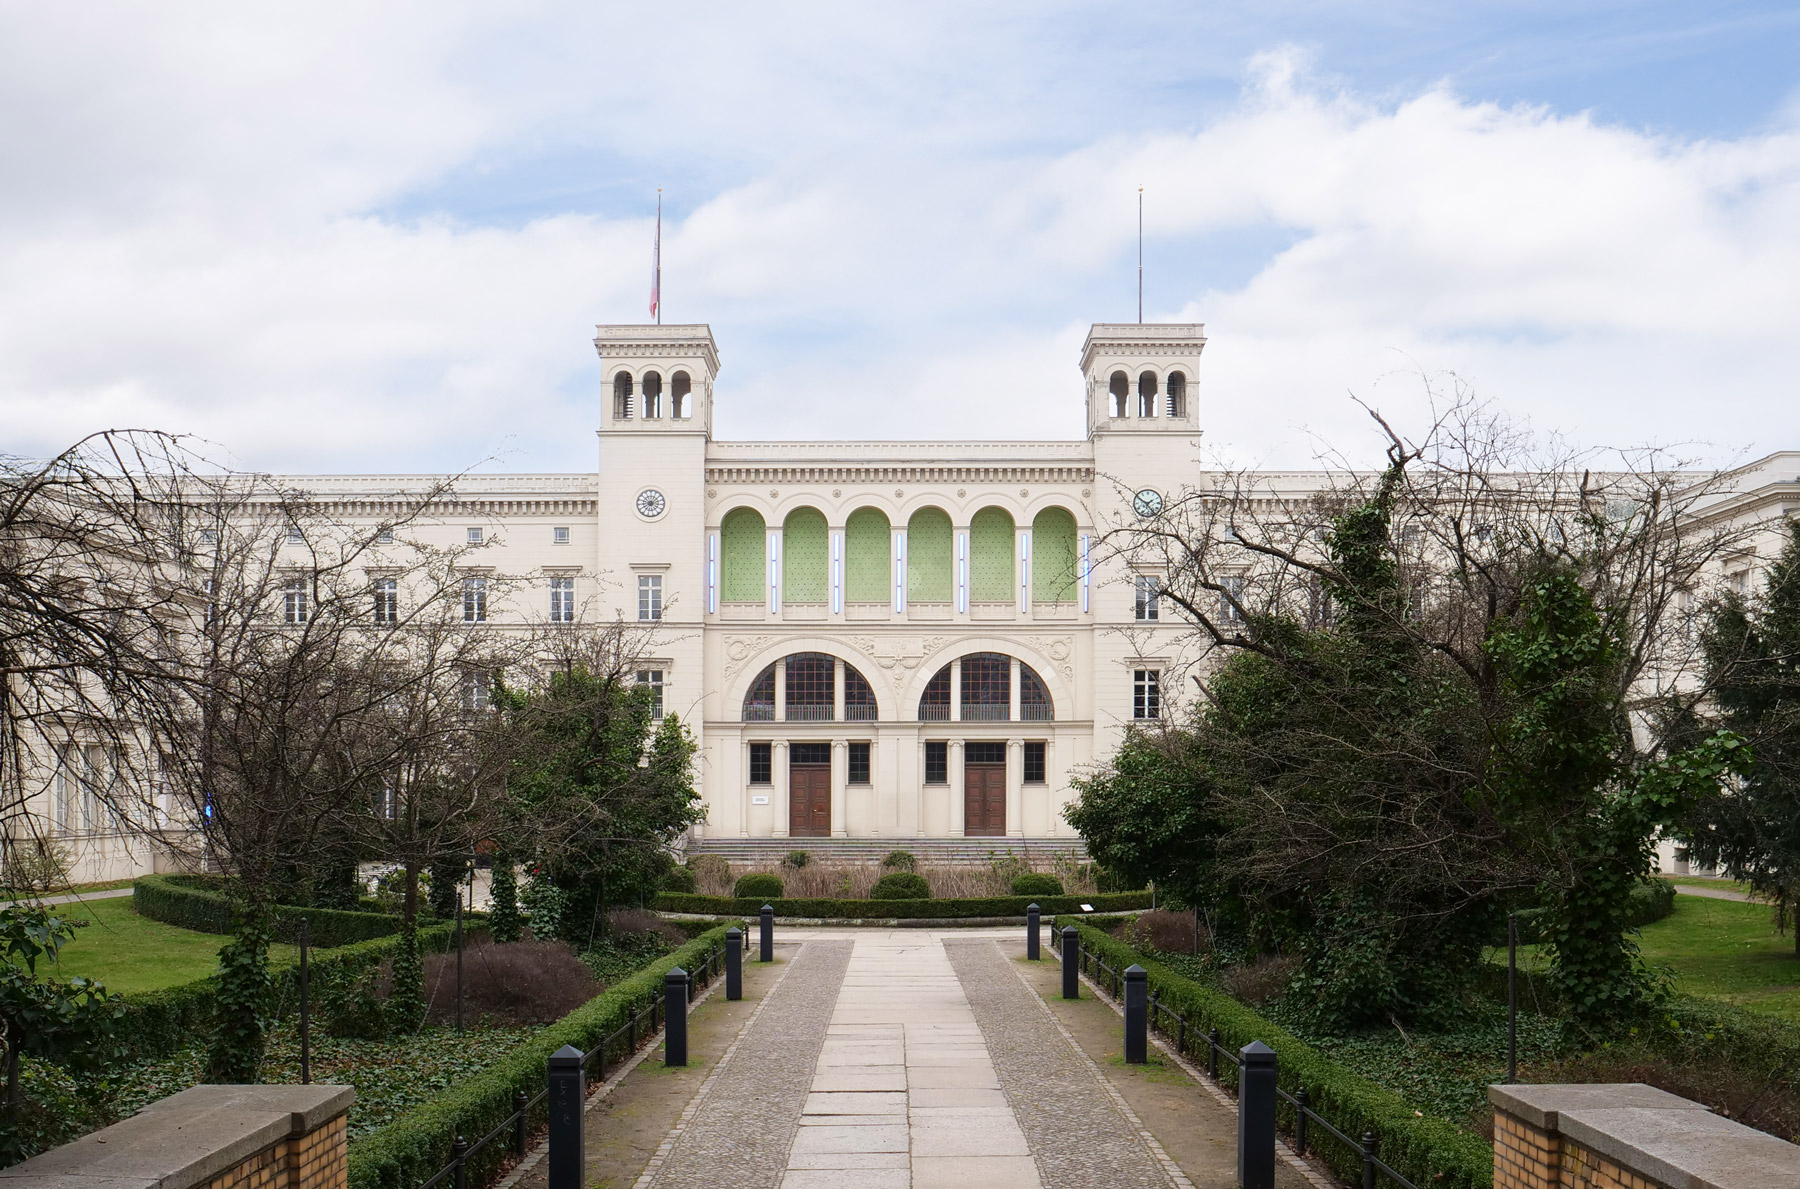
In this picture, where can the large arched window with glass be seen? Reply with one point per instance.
(804, 688)
(928, 556)
(867, 543)
(980, 687)
(991, 545)
(1053, 556)
(745, 537)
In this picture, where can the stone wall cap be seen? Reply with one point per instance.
(309, 1105)
(1541, 1106)
(1685, 1149)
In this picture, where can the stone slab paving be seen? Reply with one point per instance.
(739, 1130)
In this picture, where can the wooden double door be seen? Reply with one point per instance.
(809, 790)
(984, 790)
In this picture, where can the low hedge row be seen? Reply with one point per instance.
(974, 906)
(159, 1022)
(1426, 1151)
(176, 900)
(417, 1144)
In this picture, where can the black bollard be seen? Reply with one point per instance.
(1033, 926)
(568, 1094)
(1071, 962)
(734, 963)
(1256, 1116)
(768, 933)
(1137, 1014)
(675, 1005)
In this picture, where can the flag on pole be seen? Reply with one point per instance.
(656, 264)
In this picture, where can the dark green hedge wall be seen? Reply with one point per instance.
(192, 902)
(988, 906)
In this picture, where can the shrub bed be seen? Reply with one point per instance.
(176, 900)
(416, 1145)
(900, 885)
(972, 906)
(1426, 1151)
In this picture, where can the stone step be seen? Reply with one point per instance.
(871, 850)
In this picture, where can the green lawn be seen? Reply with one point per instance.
(128, 952)
(1701, 881)
(1725, 949)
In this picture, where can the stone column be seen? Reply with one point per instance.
(1015, 781)
(1012, 705)
(778, 761)
(956, 691)
(743, 787)
(781, 690)
(957, 805)
(837, 691)
(840, 778)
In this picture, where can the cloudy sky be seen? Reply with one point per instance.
(375, 237)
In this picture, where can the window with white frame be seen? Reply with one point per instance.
(652, 679)
(296, 602)
(209, 536)
(474, 592)
(559, 535)
(1231, 598)
(562, 599)
(295, 536)
(1146, 693)
(387, 600)
(384, 536)
(477, 689)
(650, 596)
(474, 536)
(1144, 600)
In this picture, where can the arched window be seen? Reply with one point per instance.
(652, 395)
(811, 687)
(991, 547)
(859, 696)
(622, 397)
(1146, 394)
(680, 407)
(805, 557)
(934, 703)
(928, 557)
(1177, 394)
(745, 571)
(759, 700)
(986, 687)
(1120, 387)
(867, 538)
(1034, 699)
(1053, 557)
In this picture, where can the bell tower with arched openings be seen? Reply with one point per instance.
(1141, 376)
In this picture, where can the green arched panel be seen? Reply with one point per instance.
(805, 557)
(744, 537)
(928, 556)
(866, 544)
(991, 547)
(1053, 557)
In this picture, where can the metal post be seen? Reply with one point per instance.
(305, 1009)
(1300, 1121)
(1512, 997)
(1033, 926)
(1368, 1160)
(521, 1136)
(1212, 1054)
(675, 1004)
(459, 1157)
(1071, 963)
(1256, 1117)
(568, 1094)
(734, 963)
(459, 966)
(768, 933)
(1137, 1012)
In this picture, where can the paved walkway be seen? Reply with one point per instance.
(910, 1059)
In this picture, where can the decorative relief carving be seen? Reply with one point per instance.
(739, 649)
(1062, 650)
(899, 655)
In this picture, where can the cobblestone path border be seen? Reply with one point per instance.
(737, 1131)
(1079, 1129)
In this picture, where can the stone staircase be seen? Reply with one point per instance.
(973, 851)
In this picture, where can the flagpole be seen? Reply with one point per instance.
(1140, 255)
(658, 294)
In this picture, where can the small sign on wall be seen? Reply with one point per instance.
(760, 800)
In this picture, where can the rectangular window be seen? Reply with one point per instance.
(859, 763)
(209, 536)
(1231, 599)
(1034, 763)
(295, 536)
(762, 763)
(937, 763)
(559, 536)
(1145, 597)
(477, 689)
(653, 680)
(384, 536)
(474, 600)
(387, 600)
(474, 536)
(295, 606)
(649, 596)
(562, 600)
(1146, 693)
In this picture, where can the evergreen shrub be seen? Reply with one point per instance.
(900, 860)
(1036, 883)
(900, 885)
(679, 879)
(205, 907)
(757, 884)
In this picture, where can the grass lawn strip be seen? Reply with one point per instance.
(1727, 950)
(131, 953)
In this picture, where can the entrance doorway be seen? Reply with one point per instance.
(809, 790)
(984, 790)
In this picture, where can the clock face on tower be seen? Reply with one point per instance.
(651, 503)
(1146, 503)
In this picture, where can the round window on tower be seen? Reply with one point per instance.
(651, 503)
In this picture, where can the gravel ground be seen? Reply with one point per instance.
(1075, 1131)
(740, 1135)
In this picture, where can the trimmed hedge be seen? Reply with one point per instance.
(977, 906)
(1036, 883)
(417, 1144)
(176, 900)
(758, 885)
(900, 885)
(1424, 1150)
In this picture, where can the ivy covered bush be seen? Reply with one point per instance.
(900, 885)
(1036, 883)
(757, 884)
(900, 860)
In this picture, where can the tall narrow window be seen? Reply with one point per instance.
(295, 602)
(1146, 394)
(562, 599)
(986, 687)
(1034, 762)
(1231, 599)
(1119, 387)
(652, 680)
(652, 395)
(650, 605)
(387, 600)
(1144, 600)
(1177, 394)
(937, 763)
(858, 764)
(681, 406)
(762, 763)
(477, 690)
(622, 397)
(474, 592)
(1146, 693)
(811, 687)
